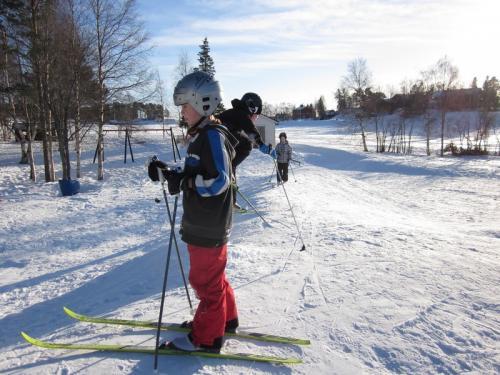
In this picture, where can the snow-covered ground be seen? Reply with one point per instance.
(401, 270)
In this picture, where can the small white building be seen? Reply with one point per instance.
(266, 127)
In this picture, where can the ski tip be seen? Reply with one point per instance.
(72, 314)
(29, 339)
(69, 311)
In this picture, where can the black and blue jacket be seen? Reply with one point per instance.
(207, 186)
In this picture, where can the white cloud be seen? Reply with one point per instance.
(399, 38)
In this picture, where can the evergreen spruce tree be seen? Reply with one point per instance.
(343, 99)
(206, 63)
(490, 95)
(321, 108)
(474, 83)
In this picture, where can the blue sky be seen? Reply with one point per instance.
(297, 50)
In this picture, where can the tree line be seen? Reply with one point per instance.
(120, 111)
(434, 94)
(63, 63)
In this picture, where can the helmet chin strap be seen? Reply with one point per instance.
(193, 129)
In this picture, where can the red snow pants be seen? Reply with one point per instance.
(217, 304)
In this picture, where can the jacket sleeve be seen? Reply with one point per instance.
(248, 127)
(289, 153)
(217, 165)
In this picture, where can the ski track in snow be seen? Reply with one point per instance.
(400, 272)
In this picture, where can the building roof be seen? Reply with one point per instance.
(263, 120)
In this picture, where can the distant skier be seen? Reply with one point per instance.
(240, 120)
(283, 155)
(207, 218)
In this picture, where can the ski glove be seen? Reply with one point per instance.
(265, 149)
(174, 179)
(153, 166)
(173, 176)
(268, 149)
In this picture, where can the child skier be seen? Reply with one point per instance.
(283, 155)
(207, 218)
(240, 121)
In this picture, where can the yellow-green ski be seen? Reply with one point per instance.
(177, 327)
(151, 350)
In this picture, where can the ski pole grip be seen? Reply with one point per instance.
(161, 177)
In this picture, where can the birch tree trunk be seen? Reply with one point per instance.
(12, 104)
(443, 121)
(78, 146)
(31, 131)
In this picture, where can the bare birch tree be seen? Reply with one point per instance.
(429, 120)
(40, 22)
(183, 68)
(118, 51)
(444, 77)
(160, 93)
(357, 80)
(68, 63)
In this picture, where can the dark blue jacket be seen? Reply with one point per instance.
(207, 186)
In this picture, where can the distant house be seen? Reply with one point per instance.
(304, 112)
(141, 114)
(283, 116)
(458, 99)
(416, 103)
(266, 127)
(331, 113)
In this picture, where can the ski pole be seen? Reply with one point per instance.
(171, 220)
(272, 173)
(293, 215)
(175, 147)
(293, 174)
(251, 205)
(172, 232)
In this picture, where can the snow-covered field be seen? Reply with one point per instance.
(401, 271)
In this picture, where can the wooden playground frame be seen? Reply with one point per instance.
(128, 130)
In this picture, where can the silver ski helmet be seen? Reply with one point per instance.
(253, 103)
(200, 90)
